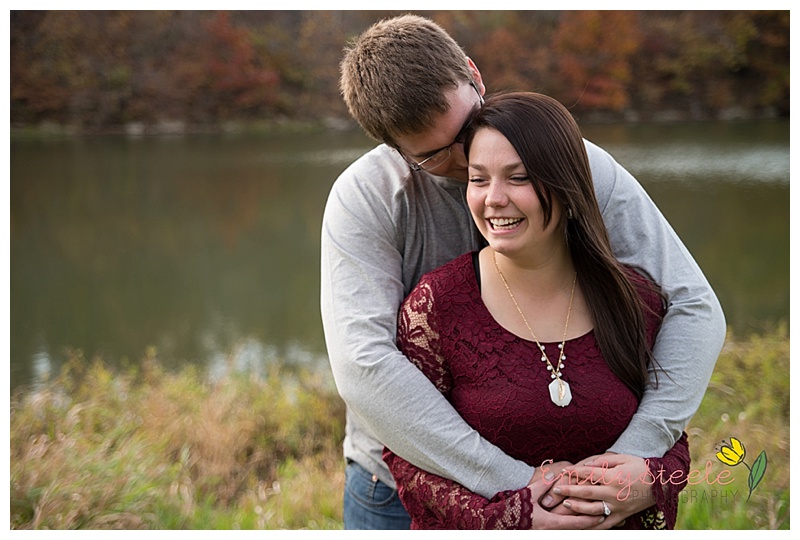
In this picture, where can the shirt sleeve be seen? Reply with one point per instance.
(361, 291)
(693, 329)
(432, 501)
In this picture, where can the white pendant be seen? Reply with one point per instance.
(560, 393)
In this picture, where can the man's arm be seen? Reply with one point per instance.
(361, 291)
(693, 329)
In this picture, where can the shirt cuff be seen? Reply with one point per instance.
(512, 474)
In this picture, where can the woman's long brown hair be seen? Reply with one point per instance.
(550, 145)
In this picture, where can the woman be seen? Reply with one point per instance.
(542, 340)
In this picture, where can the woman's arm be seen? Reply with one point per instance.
(433, 501)
(437, 503)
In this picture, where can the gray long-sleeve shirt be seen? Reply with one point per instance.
(385, 226)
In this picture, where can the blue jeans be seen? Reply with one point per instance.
(369, 503)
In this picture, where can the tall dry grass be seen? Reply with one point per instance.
(101, 449)
(748, 398)
(97, 448)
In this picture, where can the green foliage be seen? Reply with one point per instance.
(748, 398)
(751, 378)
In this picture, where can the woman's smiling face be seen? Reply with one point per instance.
(502, 200)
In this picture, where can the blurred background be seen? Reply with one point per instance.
(169, 170)
(145, 70)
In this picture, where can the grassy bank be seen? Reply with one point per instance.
(748, 398)
(146, 449)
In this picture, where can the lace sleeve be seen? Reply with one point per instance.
(418, 338)
(671, 475)
(432, 501)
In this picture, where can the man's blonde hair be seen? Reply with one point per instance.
(394, 76)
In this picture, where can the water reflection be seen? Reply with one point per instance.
(199, 246)
(698, 166)
(725, 189)
(207, 247)
(701, 154)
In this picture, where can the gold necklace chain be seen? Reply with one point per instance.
(555, 371)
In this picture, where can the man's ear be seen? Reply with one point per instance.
(476, 76)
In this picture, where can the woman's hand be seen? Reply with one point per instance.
(623, 482)
(542, 518)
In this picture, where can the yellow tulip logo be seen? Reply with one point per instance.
(732, 453)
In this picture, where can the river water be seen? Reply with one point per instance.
(205, 248)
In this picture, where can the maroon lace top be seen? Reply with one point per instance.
(498, 384)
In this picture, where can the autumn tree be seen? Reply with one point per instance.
(594, 50)
(239, 80)
(707, 61)
(512, 50)
(101, 69)
(71, 66)
(766, 59)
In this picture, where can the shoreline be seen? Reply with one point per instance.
(345, 124)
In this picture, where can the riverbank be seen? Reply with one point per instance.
(180, 127)
(346, 124)
(142, 448)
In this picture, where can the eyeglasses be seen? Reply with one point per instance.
(443, 154)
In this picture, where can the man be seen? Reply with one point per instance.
(398, 212)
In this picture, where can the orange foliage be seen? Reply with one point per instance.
(234, 69)
(108, 68)
(594, 51)
(515, 67)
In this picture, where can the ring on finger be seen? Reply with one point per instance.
(606, 509)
